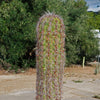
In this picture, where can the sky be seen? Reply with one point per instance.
(94, 5)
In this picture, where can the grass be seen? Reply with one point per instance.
(96, 96)
(64, 82)
(77, 81)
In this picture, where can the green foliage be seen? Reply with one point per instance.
(4, 1)
(94, 20)
(97, 96)
(78, 35)
(80, 42)
(18, 19)
(77, 81)
(17, 36)
(30, 5)
(50, 57)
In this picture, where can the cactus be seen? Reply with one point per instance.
(50, 57)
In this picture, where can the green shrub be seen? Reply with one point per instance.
(17, 38)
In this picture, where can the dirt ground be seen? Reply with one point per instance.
(13, 82)
(10, 82)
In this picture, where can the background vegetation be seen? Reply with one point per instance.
(18, 19)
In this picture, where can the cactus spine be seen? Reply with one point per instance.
(50, 57)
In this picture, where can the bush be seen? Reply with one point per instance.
(17, 34)
(17, 30)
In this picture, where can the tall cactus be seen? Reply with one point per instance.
(50, 57)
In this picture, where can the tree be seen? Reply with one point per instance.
(97, 19)
(94, 20)
(17, 36)
(78, 35)
(30, 5)
(80, 40)
(18, 20)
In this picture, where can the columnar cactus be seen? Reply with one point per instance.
(50, 57)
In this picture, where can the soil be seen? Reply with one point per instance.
(11, 82)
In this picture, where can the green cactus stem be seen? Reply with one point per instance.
(50, 57)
